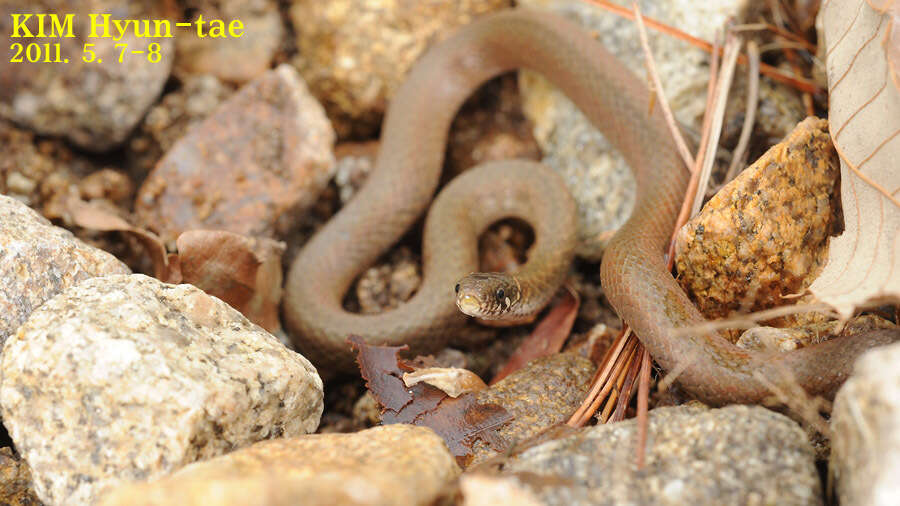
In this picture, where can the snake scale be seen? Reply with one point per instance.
(633, 271)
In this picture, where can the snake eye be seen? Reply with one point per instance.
(500, 295)
(456, 289)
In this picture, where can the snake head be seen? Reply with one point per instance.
(491, 295)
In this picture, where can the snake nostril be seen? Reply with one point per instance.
(456, 289)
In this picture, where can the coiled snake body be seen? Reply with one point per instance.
(633, 272)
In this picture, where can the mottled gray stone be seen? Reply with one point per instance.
(865, 423)
(393, 464)
(127, 378)
(93, 104)
(598, 177)
(38, 260)
(695, 455)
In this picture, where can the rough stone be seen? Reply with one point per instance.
(764, 235)
(250, 168)
(543, 393)
(386, 286)
(697, 456)
(355, 53)
(355, 160)
(788, 339)
(38, 172)
(16, 485)
(94, 105)
(127, 378)
(168, 120)
(393, 464)
(598, 177)
(865, 424)
(232, 59)
(38, 261)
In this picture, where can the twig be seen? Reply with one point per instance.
(609, 380)
(751, 320)
(582, 414)
(642, 416)
(613, 397)
(740, 151)
(660, 92)
(704, 139)
(628, 389)
(732, 46)
(798, 401)
(774, 73)
(799, 41)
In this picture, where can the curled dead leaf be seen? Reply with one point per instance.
(460, 421)
(453, 381)
(93, 216)
(243, 271)
(864, 117)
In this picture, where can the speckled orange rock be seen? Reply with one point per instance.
(392, 464)
(763, 236)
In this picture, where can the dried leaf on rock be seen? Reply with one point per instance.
(453, 381)
(864, 116)
(380, 368)
(460, 422)
(243, 271)
(94, 216)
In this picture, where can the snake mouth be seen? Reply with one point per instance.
(469, 304)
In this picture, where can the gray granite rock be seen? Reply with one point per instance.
(127, 378)
(393, 464)
(93, 104)
(38, 260)
(865, 423)
(598, 176)
(260, 160)
(695, 455)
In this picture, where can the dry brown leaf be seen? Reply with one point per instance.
(94, 216)
(458, 421)
(453, 381)
(864, 118)
(243, 271)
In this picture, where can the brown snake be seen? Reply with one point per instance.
(633, 272)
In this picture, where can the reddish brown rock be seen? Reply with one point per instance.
(250, 168)
(763, 236)
(171, 117)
